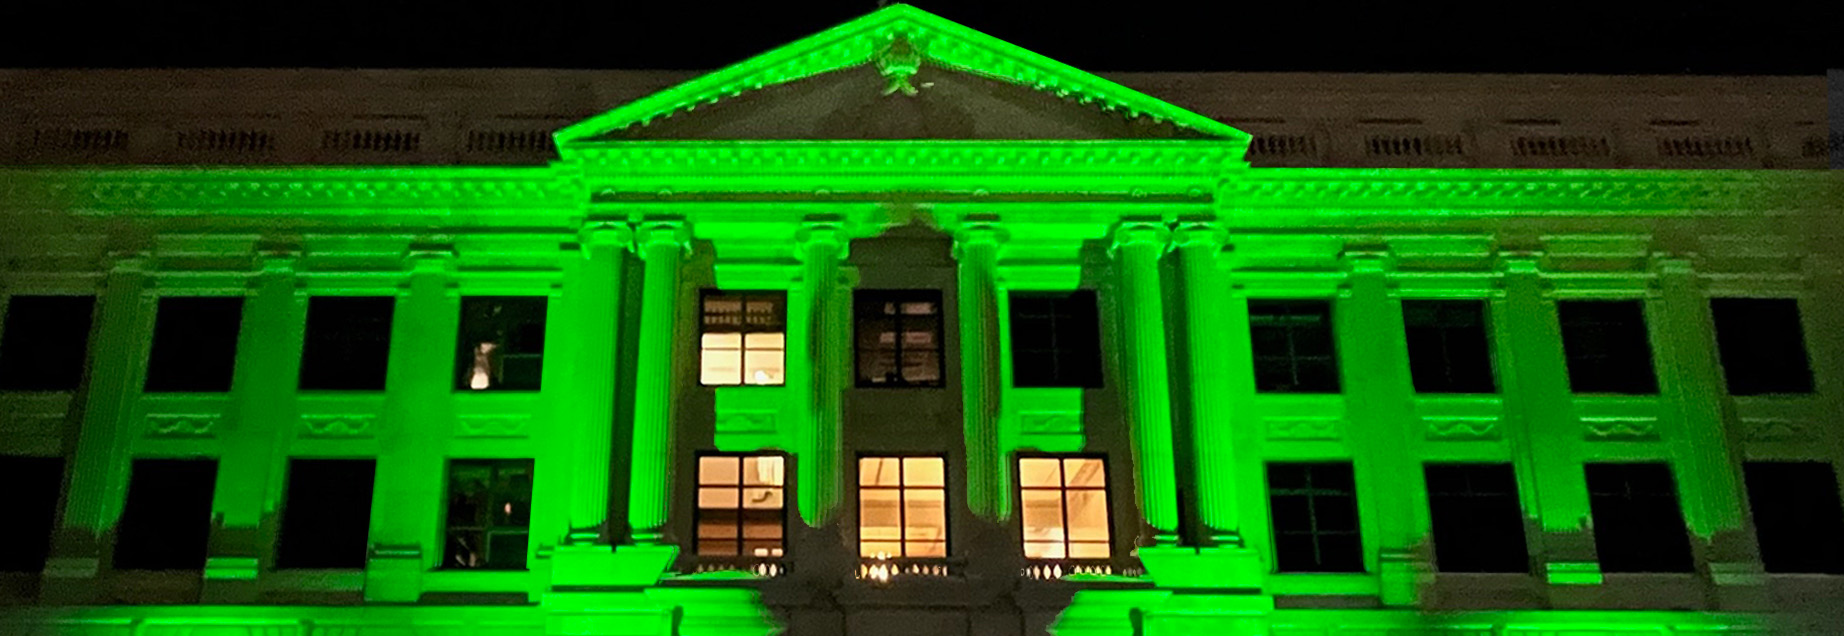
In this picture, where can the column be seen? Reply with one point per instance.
(595, 312)
(1137, 249)
(1703, 448)
(1379, 405)
(1542, 431)
(662, 244)
(262, 411)
(976, 250)
(822, 247)
(417, 422)
(99, 469)
(1212, 319)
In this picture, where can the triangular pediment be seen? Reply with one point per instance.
(898, 73)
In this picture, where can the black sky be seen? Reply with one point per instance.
(1131, 35)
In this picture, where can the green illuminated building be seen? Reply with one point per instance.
(901, 329)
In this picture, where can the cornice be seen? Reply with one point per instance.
(1128, 157)
(153, 189)
(1436, 192)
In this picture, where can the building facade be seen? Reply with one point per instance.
(901, 329)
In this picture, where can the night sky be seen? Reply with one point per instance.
(1609, 36)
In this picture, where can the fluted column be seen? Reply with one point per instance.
(822, 248)
(1209, 316)
(1544, 434)
(595, 309)
(99, 470)
(662, 244)
(1137, 249)
(976, 249)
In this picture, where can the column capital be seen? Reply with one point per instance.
(818, 233)
(606, 234)
(1207, 234)
(429, 258)
(983, 232)
(1668, 264)
(1140, 232)
(1520, 262)
(663, 232)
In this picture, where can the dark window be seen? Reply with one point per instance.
(743, 339)
(1292, 346)
(1314, 506)
(195, 344)
(167, 518)
(1056, 339)
(1637, 524)
(1478, 525)
(1448, 346)
(32, 508)
(489, 513)
(45, 342)
(326, 519)
(348, 344)
(1797, 517)
(742, 505)
(899, 338)
(1607, 346)
(502, 343)
(1064, 507)
(1762, 344)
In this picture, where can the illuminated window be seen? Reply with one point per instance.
(1449, 351)
(1762, 344)
(326, 517)
(899, 338)
(744, 339)
(1314, 507)
(348, 343)
(1606, 345)
(1638, 526)
(502, 343)
(742, 506)
(489, 513)
(1478, 526)
(195, 344)
(1065, 507)
(1291, 342)
(902, 507)
(1056, 339)
(166, 520)
(1797, 517)
(32, 507)
(45, 342)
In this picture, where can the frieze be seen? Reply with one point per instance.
(513, 425)
(746, 422)
(1462, 429)
(1437, 191)
(1620, 429)
(1774, 430)
(338, 426)
(191, 425)
(1302, 428)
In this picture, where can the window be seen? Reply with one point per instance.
(899, 338)
(326, 519)
(195, 344)
(744, 339)
(1056, 339)
(502, 343)
(1315, 517)
(1065, 507)
(902, 507)
(1478, 525)
(32, 508)
(1762, 344)
(742, 505)
(348, 343)
(1796, 516)
(167, 518)
(1637, 524)
(45, 342)
(1292, 346)
(489, 513)
(1605, 341)
(1448, 346)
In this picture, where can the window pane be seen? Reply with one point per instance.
(1088, 515)
(1090, 551)
(326, 516)
(1478, 524)
(879, 471)
(718, 524)
(880, 549)
(721, 367)
(925, 549)
(1797, 516)
(167, 517)
(1084, 473)
(348, 343)
(923, 471)
(44, 343)
(195, 344)
(1314, 512)
(1292, 346)
(1043, 549)
(725, 498)
(1606, 344)
(898, 337)
(1055, 339)
(501, 343)
(1762, 345)
(1042, 513)
(763, 367)
(718, 471)
(762, 498)
(32, 507)
(1637, 524)
(763, 471)
(1039, 472)
(925, 515)
(489, 513)
(1448, 350)
(880, 515)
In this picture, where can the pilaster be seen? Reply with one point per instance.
(250, 472)
(418, 416)
(1374, 360)
(99, 469)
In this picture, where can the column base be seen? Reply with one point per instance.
(69, 580)
(1222, 568)
(230, 581)
(394, 575)
(1740, 586)
(1401, 577)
